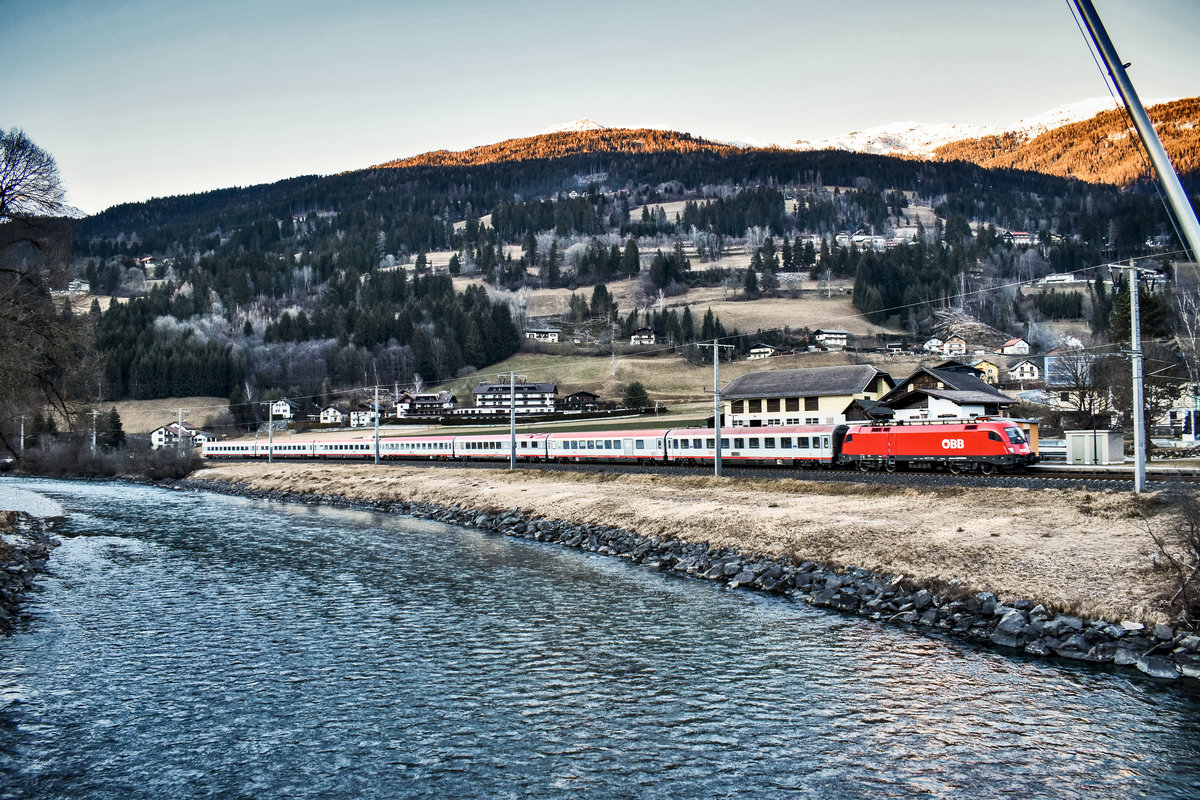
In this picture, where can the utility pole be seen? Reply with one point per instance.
(179, 428)
(270, 431)
(1137, 361)
(612, 372)
(716, 400)
(512, 418)
(94, 414)
(377, 424)
(21, 438)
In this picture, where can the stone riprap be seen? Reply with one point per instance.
(1014, 625)
(25, 546)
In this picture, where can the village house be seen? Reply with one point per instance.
(831, 338)
(954, 346)
(761, 351)
(284, 409)
(169, 435)
(334, 415)
(990, 370)
(810, 396)
(425, 404)
(949, 390)
(1014, 347)
(933, 345)
(543, 334)
(581, 401)
(1024, 371)
(525, 398)
(642, 336)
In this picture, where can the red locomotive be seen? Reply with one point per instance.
(961, 446)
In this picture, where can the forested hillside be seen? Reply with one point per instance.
(315, 284)
(1103, 149)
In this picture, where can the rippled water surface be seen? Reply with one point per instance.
(195, 645)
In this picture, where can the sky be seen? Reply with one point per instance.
(149, 98)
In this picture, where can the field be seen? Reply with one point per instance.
(667, 377)
(143, 416)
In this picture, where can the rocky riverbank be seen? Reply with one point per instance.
(25, 546)
(949, 607)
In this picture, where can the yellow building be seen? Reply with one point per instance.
(990, 370)
(812, 396)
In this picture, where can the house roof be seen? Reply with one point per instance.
(962, 384)
(961, 398)
(503, 388)
(1011, 342)
(811, 381)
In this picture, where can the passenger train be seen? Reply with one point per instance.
(984, 445)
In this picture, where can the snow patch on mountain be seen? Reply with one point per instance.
(574, 127)
(921, 139)
(897, 138)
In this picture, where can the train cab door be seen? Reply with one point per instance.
(627, 447)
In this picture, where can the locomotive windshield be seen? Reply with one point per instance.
(1015, 435)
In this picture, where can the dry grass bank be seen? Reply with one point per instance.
(1072, 551)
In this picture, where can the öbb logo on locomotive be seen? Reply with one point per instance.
(977, 445)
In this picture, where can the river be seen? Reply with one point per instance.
(195, 645)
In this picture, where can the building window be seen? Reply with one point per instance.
(812, 403)
(773, 406)
(792, 404)
(737, 407)
(754, 406)
(812, 420)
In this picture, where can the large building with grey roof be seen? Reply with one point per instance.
(808, 396)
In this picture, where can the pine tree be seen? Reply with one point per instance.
(751, 283)
(631, 262)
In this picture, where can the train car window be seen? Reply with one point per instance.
(739, 443)
(696, 444)
(801, 442)
(711, 443)
(825, 442)
(785, 442)
(641, 443)
(754, 443)
(992, 435)
(769, 442)
(684, 443)
(1015, 435)
(724, 443)
(971, 427)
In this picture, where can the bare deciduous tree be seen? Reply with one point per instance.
(42, 346)
(29, 182)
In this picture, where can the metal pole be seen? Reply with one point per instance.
(21, 439)
(512, 420)
(179, 430)
(716, 402)
(1176, 196)
(270, 433)
(376, 424)
(1139, 412)
(94, 413)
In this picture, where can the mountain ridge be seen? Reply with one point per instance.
(1029, 144)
